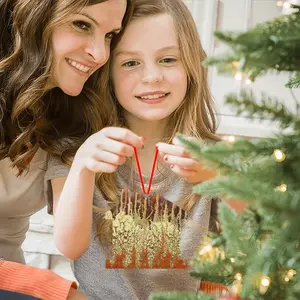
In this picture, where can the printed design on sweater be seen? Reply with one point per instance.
(146, 233)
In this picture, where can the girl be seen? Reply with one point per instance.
(49, 51)
(157, 87)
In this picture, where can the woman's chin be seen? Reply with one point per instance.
(72, 91)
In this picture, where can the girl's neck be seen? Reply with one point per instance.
(152, 131)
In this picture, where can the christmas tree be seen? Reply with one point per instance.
(257, 254)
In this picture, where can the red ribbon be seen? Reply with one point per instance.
(140, 172)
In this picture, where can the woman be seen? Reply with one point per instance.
(50, 52)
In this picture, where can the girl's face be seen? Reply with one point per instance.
(149, 78)
(81, 45)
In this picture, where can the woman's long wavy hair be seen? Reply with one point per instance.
(194, 117)
(29, 113)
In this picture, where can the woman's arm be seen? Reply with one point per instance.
(41, 284)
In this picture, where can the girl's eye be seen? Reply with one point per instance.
(82, 25)
(129, 64)
(168, 60)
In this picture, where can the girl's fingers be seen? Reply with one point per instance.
(123, 135)
(116, 147)
(182, 162)
(182, 172)
(108, 157)
(175, 150)
(99, 166)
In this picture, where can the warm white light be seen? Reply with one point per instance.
(286, 5)
(205, 250)
(232, 260)
(282, 188)
(279, 3)
(279, 155)
(248, 81)
(291, 273)
(238, 76)
(231, 139)
(238, 276)
(265, 281)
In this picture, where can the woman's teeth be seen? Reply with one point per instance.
(78, 66)
(153, 96)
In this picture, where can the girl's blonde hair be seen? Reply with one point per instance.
(30, 115)
(194, 117)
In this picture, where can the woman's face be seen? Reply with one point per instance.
(81, 45)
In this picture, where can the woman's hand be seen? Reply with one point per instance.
(105, 150)
(182, 163)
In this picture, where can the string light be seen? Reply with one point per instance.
(264, 284)
(238, 276)
(238, 76)
(279, 3)
(282, 188)
(232, 260)
(290, 274)
(248, 81)
(237, 284)
(231, 139)
(286, 5)
(205, 250)
(279, 155)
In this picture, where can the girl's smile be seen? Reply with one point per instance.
(153, 97)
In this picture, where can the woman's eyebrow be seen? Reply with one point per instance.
(92, 19)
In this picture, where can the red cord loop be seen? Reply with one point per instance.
(140, 172)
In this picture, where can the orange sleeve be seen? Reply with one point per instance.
(42, 284)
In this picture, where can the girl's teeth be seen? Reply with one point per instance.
(153, 96)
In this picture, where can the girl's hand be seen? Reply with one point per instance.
(105, 150)
(182, 164)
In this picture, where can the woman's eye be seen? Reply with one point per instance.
(111, 35)
(129, 64)
(82, 25)
(168, 60)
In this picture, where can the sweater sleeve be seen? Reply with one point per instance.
(42, 284)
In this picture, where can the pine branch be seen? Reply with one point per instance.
(294, 82)
(273, 45)
(268, 108)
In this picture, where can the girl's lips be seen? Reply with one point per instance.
(153, 100)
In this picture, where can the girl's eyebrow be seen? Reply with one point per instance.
(132, 53)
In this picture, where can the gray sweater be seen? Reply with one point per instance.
(99, 282)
